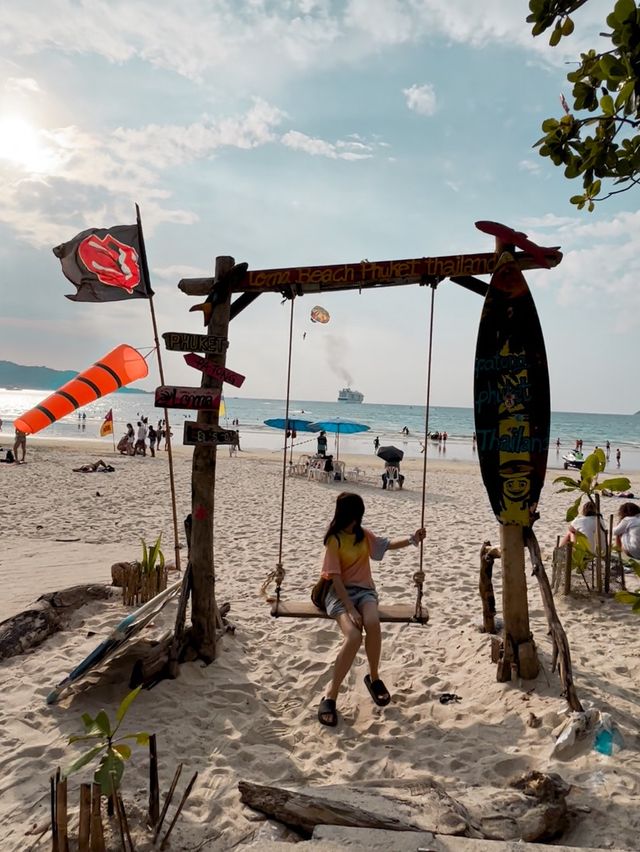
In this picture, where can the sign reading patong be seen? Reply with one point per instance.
(208, 436)
(183, 341)
(216, 371)
(194, 399)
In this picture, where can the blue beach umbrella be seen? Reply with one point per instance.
(338, 427)
(291, 423)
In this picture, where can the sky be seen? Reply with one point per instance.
(305, 132)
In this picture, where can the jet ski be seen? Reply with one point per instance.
(573, 458)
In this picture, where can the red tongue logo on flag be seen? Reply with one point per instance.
(112, 262)
(107, 426)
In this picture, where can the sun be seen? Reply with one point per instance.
(22, 145)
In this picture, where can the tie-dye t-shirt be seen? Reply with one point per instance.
(350, 560)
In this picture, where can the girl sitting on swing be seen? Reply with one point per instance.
(352, 599)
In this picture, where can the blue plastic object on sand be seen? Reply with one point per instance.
(608, 740)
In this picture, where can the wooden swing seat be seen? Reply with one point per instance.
(391, 613)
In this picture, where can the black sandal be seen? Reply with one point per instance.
(328, 708)
(378, 690)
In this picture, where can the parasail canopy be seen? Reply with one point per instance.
(118, 368)
(320, 314)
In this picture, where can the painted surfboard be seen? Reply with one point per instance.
(543, 255)
(130, 625)
(511, 396)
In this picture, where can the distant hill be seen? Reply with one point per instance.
(40, 378)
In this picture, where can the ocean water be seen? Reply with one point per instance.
(384, 421)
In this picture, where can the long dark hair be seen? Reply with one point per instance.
(349, 508)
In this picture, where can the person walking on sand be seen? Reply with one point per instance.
(20, 443)
(376, 443)
(618, 456)
(152, 441)
(352, 599)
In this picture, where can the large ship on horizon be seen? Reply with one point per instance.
(348, 395)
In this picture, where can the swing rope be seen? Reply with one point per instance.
(419, 576)
(278, 574)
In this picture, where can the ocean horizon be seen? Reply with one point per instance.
(386, 421)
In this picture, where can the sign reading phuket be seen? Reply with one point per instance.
(511, 397)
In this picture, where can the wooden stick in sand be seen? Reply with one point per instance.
(54, 826)
(97, 835)
(185, 796)
(61, 813)
(167, 802)
(116, 806)
(84, 827)
(154, 790)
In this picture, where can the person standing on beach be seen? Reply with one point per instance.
(376, 443)
(20, 443)
(131, 437)
(322, 444)
(618, 456)
(141, 446)
(352, 599)
(152, 441)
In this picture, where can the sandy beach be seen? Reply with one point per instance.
(251, 715)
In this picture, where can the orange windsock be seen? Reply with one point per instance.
(120, 367)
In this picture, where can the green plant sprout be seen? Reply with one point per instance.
(114, 751)
(150, 555)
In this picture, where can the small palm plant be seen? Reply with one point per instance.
(146, 577)
(113, 748)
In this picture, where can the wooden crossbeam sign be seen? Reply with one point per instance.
(193, 399)
(196, 435)
(378, 273)
(182, 341)
(216, 371)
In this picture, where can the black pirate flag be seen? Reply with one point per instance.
(106, 264)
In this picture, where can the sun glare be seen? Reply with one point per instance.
(21, 145)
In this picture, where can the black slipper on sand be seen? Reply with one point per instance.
(328, 708)
(378, 690)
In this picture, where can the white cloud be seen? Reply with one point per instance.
(421, 99)
(532, 166)
(341, 150)
(21, 85)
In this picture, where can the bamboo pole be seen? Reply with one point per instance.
(84, 827)
(598, 547)
(54, 826)
(154, 791)
(184, 798)
(567, 569)
(97, 834)
(154, 324)
(167, 801)
(61, 815)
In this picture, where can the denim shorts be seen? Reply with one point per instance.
(357, 595)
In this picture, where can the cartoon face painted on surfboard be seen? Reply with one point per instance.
(511, 397)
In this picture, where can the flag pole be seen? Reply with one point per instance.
(113, 432)
(145, 267)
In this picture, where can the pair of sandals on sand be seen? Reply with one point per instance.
(328, 714)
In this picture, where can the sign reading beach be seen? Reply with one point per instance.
(207, 436)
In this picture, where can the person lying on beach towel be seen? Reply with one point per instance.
(96, 467)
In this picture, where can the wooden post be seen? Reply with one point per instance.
(203, 477)
(61, 815)
(568, 569)
(488, 555)
(84, 827)
(598, 547)
(518, 640)
(97, 836)
(54, 823)
(154, 791)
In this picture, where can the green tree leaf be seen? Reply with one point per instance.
(617, 483)
(123, 750)
(568, 481)
(87, 757)
(572, 511)
(126, 703)
(110, 763)
(624, 9)
(103, 724)
(626, 597)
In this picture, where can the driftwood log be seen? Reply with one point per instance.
(48, 615)
(560, 643)
(488, 555)
(533, 807)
